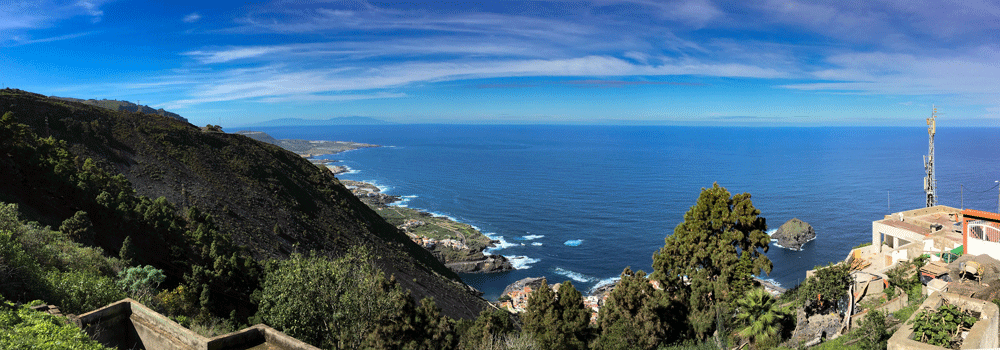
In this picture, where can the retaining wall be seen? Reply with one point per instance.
(127, 324)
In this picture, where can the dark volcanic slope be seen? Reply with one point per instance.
(268, 199)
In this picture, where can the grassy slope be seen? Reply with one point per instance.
(270, 200)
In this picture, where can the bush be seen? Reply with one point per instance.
(872, 331)
(78, 291)
(824, 288)
(488, 329)
(942, 326)
(141, 282)
(23, 328)
(356, 306)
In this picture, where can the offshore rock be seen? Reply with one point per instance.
(793, 234)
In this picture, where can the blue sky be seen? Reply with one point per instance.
(695, 62)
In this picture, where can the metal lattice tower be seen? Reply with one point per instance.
(930, 182)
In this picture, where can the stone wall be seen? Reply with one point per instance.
(127, 324)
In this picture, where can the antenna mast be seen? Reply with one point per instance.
(930, 182)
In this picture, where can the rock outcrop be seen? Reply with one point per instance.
(488, 264)
(793, 234)
(810, 329)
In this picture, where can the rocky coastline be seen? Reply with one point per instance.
(459, 246)
(306, 148)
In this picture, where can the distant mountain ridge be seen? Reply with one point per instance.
(116, 105)
(323, 122)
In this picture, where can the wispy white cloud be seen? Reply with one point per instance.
(285, 84)
(17, 41)
(16, 17)
(191, 18)
(221, 56)
(908, 74)
(857, 48)
(334, 98)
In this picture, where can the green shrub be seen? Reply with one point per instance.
(941, 326)
(141, 282)
(355, 304)
(491, 326)
(23, 328)
(78, 291)
(872, 331)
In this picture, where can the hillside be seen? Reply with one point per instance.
(263, 198)
(124, 106)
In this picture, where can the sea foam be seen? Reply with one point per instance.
(576, 276)
(604, 282)
(520, 262)
(498, 246)
(573, 242)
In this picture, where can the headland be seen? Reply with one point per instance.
(460, 246)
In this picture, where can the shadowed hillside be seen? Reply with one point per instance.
(265, 199)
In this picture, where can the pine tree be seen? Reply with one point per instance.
(557, 320)
(127, 252)
(575, 316)
(711, 256)
(78, 228)
(490, 325)
(638, 316)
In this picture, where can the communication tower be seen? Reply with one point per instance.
(930, 182)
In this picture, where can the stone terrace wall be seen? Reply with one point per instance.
(127, 324)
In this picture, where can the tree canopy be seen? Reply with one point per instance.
(639, 316)
(713, 254)
(557, 320)
(347, 303)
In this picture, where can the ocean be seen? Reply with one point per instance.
(581, 203)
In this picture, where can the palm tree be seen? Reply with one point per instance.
(759, 318)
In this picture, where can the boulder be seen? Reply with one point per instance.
(794, 233)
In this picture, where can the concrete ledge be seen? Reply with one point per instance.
(127, 324)
(982, 335)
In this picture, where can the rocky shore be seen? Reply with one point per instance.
(460, 246)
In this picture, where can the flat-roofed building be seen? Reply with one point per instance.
(908, 234)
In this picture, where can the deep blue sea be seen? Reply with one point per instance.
(581, 203)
